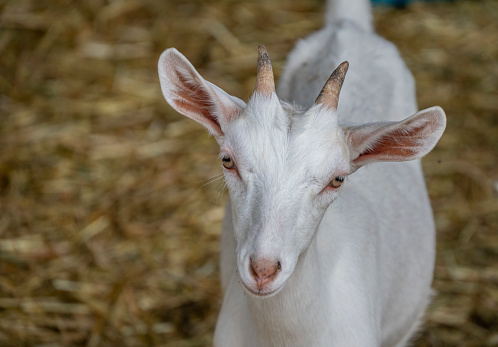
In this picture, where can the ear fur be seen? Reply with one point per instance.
(191, 95)
(408, 139)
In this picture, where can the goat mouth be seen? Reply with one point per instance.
(261, 293)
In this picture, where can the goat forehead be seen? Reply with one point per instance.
(284, 144)
(260, 131)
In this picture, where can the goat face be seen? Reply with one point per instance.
(285, 166)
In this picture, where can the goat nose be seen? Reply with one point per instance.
(264, 271)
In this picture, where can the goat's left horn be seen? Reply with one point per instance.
(265, 83)
(329, 95)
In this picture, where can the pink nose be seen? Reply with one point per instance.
(264, 271)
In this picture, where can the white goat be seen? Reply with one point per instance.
(314, 253)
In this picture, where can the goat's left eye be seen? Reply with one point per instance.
(336, 182)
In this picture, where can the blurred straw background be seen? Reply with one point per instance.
(108, 230)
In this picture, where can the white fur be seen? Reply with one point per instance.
(356, 261)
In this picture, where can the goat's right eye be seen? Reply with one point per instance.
(228, 162)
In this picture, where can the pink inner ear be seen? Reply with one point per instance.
(401, 144)
(191, 95)
(194, 100)
(390, 146)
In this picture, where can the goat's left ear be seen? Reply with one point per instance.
(408, 139)
(191, 95)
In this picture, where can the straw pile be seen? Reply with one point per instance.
(108, 232)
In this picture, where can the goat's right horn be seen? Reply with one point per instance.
(329, 95)
(265, 83)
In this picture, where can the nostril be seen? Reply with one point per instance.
(264, 271)
(253, 269)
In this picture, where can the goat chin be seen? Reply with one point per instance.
(318, 248)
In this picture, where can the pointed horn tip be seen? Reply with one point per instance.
(329, 95)
(341, 70)
(262, 50)
(265, 83)
(345, 66)
(263, 54)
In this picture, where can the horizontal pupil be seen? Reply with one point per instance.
(339, 179)
(226, 160)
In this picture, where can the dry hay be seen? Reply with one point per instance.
(108, 230)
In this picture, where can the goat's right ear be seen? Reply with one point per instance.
(191, 95)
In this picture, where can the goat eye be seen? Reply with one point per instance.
(336, 182)
(228, 162)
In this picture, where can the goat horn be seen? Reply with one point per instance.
(265, 83)
(329, 95)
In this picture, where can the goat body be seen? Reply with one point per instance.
(314, 252)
